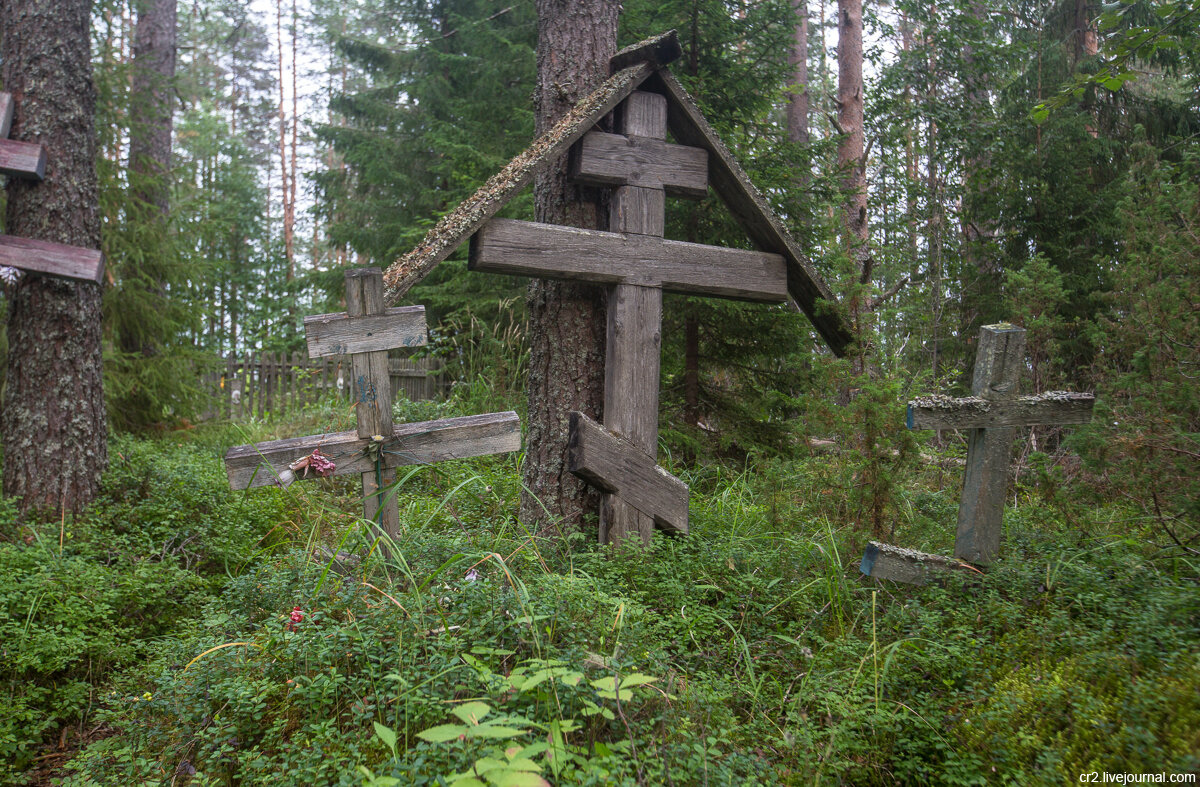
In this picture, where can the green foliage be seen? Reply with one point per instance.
(1143, 442)
(88, 596)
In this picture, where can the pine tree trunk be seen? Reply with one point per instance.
(53, 422)
(566, 319)
(850, 158)
(151, 103)
(850, 126)
(797, 110)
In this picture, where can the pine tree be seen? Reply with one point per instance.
(53, 423)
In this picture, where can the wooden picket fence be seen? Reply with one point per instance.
(265, 382)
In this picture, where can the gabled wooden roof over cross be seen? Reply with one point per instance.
(635, 261)
(641, 66)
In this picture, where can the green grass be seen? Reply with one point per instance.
(160, 624)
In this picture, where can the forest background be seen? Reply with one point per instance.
(1033, 162)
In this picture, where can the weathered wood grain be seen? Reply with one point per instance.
(22, 159)
(999, 361)
(733, 186)
(473, 212)
(974, 412)
(341, 334)
(615, 159)
(884, 561)
(266, 464)
(615, 465)
(550, 251)
(52, 259)
(634, 320)
(6, 114)
(658, 50)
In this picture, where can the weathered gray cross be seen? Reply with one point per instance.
(638, 264)
(28, 160)
(366, 331)
(991, 417)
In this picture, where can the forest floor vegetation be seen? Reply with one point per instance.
(181, 633)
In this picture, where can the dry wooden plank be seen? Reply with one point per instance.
(52, 259)
(341, 334)
(615, 465)
(471, 214)
(6, 114)
(884, 561)
(266, 464)
(22, 159)
(974, 412)
(658, 50)
(733, 186)
(615, 159)
(547, 250)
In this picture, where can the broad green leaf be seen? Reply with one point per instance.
(387, 735)
(519, 779)
(467, 781)
(494, 731)
(442, 733)
(472, 712)
(636, 679)
(572, 678)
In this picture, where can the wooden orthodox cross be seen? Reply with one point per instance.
(28, 160)
(637, 264)
(991, 417)
(366, 331)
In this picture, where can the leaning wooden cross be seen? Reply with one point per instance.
(637, 264)
(365, 332)
(991, 417)
(28, 160)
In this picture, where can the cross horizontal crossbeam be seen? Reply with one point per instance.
(266, 464)
(22, 159)
(975, 412)
(546, 250)
(54, 259)
(619, 160)
(341, 334)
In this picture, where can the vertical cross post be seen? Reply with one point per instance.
(632, 349)
(373, 398)
(998, 364)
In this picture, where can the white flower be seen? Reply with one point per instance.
(10, 276)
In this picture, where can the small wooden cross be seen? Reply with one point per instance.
(366, 331)
(991, 416)
(28, 160)
(637, 264)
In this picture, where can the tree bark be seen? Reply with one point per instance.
(798, 104)
(566, 320)
(53, 423)
(851, 162)
(151, 102)
(850, 126)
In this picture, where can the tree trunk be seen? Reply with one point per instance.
(566, 319)
(797, 109)
(150, 126)
(850, 159)
(850, 126)
(53, 422)
(151, 103)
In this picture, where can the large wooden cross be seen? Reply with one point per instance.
(637, 264)
(366, 331)
(991, 417)
(28, 160)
